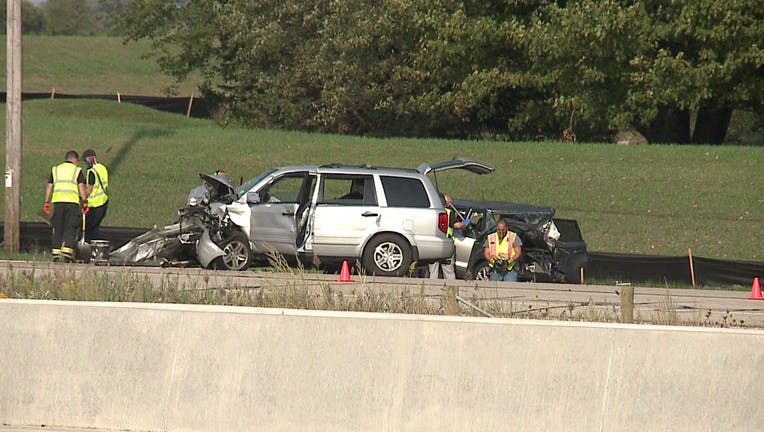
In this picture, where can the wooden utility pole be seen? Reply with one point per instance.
(13, 127)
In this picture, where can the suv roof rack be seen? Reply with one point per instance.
(341, 165)
(365, 166)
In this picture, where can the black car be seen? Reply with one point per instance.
(553, 249)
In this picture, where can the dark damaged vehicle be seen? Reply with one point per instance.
(553, 249)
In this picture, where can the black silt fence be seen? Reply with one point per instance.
(172, 104)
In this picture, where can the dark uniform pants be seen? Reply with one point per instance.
(93, 222)
(66, 221)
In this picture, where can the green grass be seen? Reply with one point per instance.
(646, 199)
(90, 65)
(649, 199)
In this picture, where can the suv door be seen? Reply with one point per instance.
(276, 217)
(344, 216)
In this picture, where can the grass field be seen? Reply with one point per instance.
(646, 199)
(90, 65)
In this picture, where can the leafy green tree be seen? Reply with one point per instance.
(32, 18)
(389, 67)
(298, 64)
(103, 15)
(469, 74)
(650, 64)
(68, 18)
(512, 68)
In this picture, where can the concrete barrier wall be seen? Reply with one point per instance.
(151, 367)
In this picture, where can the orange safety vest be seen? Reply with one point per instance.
(497, 247)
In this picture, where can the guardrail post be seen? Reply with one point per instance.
(627, 304)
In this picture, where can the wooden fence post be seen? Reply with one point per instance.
(190, 102)
(627, 304)
(692, 267)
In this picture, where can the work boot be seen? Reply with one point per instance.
(67, 254)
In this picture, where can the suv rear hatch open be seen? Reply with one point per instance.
(469, 164)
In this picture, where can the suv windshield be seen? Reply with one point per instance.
(249, 184)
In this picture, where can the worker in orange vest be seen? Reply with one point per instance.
(502, 249)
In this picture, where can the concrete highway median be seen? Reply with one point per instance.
(159, 367)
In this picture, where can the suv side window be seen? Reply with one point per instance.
(348, 190)
(405, 192)
(285, 190)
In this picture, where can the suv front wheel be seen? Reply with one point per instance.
(387, 255)
(237, 253)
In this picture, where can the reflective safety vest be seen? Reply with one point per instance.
(100, 193)
(65, 187)
(450, 231)
(498, 247)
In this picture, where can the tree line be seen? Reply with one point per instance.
(65, 17)
(512, 69)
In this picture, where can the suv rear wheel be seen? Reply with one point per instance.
(479, 271)
(387, 255)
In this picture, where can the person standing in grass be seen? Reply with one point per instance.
(448, 265)
(66, 191)
(97, 187)
(502, 249)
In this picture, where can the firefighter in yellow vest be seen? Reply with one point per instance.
(97, 186)
(66, 192)
(502, 249)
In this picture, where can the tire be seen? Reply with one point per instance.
(387, 255)
(479, 271)
(237, 253)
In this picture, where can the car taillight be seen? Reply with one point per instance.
(443, 222)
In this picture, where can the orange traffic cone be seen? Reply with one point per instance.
(756, 290)
(345, 273)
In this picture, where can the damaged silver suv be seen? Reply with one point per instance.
(386, 218)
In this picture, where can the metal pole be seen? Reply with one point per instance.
(13, 127)
(486, 313)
